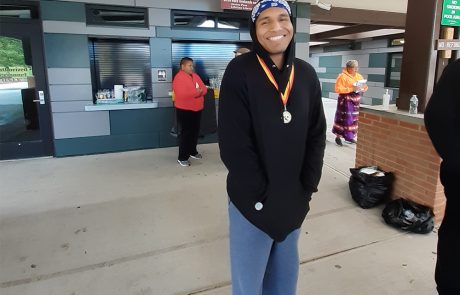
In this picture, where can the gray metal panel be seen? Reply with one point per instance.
(164, 102)
(160, 52)
(383, 43)
(65, 27)
(210, 59)
(81, 124)
(159, 17)
(161, 89)
(245, 37)
(168, 75)
(125, 32)
(71, 92)
(153, 104)
(65, 11)
(199, 5)
(302, 51)
(197, 34)
(66, 51)
(108, 2)
(302, 37)
(70, 76)
(302, 25)
(69, 106)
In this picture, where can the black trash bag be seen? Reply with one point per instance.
(370, 190)
(409, 216)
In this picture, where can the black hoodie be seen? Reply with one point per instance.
(442, 120)
(268, 161)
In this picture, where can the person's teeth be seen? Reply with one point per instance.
(275, 38)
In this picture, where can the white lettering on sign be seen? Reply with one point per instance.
(238, 4)
(444, 44)
(450, 13)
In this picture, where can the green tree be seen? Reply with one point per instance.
(11, 52)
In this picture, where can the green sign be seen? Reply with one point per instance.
(451, 13)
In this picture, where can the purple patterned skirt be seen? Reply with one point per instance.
(346, 116)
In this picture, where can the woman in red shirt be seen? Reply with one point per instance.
(189, 91)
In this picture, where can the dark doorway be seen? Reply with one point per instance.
(25, 120)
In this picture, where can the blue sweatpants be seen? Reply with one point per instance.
(259, 265)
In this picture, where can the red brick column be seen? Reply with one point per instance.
(398, 142)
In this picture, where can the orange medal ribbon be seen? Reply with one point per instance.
(284, 96)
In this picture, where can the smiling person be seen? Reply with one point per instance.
(272, 139)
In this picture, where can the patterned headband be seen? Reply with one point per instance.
(266, 4)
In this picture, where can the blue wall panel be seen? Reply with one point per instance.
(133, 122)
(328, 75)
(160, 52)
(376, 78)
(378, 60)
(141, 121)
(66, 51)
(130, 130)
(330, 61)
(105, 144)
(302, 37)
(328, 86)
(302, 10)
(63, 11)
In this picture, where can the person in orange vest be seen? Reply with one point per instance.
(349, 85)
(189, 91)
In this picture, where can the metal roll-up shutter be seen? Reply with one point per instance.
(116, 62)
(210, 59)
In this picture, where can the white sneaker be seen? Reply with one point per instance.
(185, 163)
(198, 156)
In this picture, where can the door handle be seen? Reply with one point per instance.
(41, 96)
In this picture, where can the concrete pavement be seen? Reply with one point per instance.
(137, 223)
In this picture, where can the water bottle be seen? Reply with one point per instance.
(386, 100)
(413, 105)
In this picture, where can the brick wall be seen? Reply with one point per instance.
(404, 148)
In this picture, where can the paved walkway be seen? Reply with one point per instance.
(137, 223)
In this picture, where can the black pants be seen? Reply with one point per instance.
(448, 262)
(188, 124)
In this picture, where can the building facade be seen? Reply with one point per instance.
(89, 46)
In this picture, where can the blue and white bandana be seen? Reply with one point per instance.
(266, 4)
